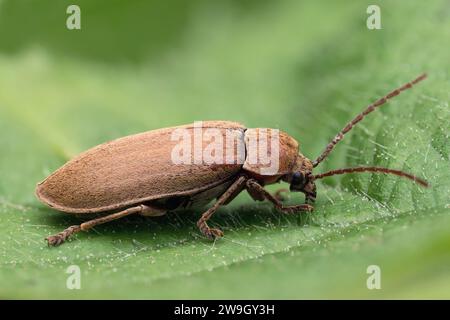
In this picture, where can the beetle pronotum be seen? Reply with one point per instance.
(136, 175)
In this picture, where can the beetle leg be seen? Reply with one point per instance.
(231, 192)
(235, 193)
(258, 196)
(59, 238)
(255, 194)
(152, 211)
(258, 192)
(279, 194)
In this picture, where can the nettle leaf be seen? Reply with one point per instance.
(306, 68)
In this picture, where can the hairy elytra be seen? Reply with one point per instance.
(137, 175)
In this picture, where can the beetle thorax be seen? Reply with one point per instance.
(273, 155)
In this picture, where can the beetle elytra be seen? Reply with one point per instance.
(137, 175)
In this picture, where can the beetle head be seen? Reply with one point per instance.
(301, 178)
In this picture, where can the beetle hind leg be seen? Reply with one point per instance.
(59, 238)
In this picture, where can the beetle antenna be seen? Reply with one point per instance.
(399, 173)
(361, 116)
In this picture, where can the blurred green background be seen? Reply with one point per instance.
(305, 67)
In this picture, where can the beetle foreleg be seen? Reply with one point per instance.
(279, 194)
(59, 238)
(231, 192)
(258, 192)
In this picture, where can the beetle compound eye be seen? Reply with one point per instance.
(298, 179)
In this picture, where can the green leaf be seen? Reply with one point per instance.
(304, 67)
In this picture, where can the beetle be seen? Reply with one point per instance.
(137, 175)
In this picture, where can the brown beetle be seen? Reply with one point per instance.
(137, 175)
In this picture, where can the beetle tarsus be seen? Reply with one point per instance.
(57, 239)
(210, 233)
(296, 208)
(213, 234)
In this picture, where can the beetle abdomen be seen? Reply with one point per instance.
(132, 170)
